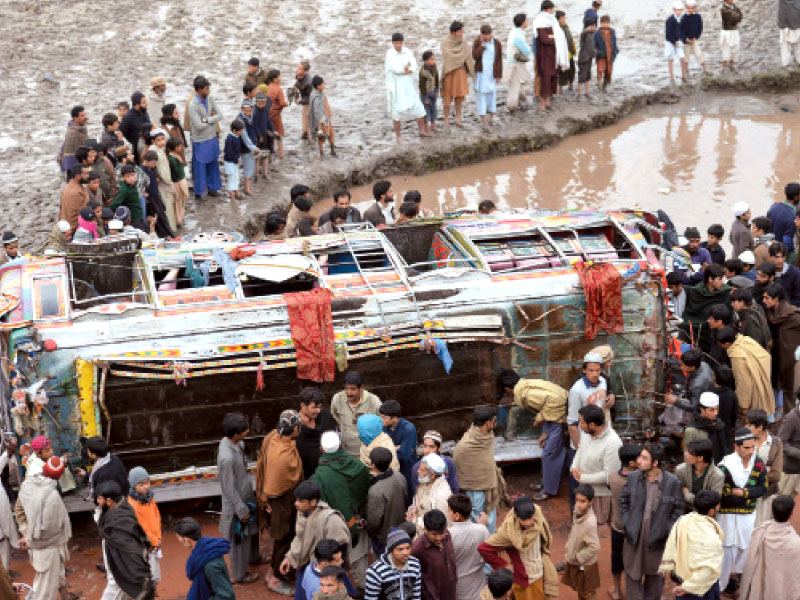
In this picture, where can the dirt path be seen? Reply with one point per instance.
(54, 55)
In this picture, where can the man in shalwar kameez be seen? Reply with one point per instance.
(403, 101)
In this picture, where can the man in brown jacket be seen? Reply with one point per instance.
(488, 55)
(75, 138)
(74, 197)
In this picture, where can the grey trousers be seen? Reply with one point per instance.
(241, 555)
(648, 588)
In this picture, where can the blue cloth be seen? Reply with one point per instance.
(207, 549)
(404, 436)
(600, 45)
(429, 104)
(369, 427)
(484, 79)
(751, 275)
(553, 455)
(672, 32)
(249, 136)
(478, 498)
(691, 26)
(520, 45)
(712, 594)
(233, 148)
(702, 256)
(228, 266)
(487, 102)
(782, 217)
(248, 165)
(205, 168)
(444, 354)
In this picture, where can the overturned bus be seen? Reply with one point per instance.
(151, 346)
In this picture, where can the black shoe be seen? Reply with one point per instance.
(560, 567)
(198, 198)
(101, 568)
(213, 194)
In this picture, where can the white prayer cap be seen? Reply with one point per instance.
(330, 442)
(593, 357)
(64, 226)
(156, 132)
(747, 257)
(435, 463)
(677, 5)
(115, 224)
(691, 2)
(740, 207)
(709, 399)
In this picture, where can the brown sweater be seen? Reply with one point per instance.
(616, 481)
(73, 199)
(477, 54)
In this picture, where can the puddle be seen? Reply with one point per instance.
(693, 164)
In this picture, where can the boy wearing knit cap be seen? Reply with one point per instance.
(395, 575)
(140, 497)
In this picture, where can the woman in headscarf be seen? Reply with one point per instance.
(370, 432)
(457, 62)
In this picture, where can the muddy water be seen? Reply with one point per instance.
(693, 159)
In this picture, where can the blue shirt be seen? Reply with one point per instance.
(484, 80)
(782, 217)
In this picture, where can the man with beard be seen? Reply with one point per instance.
(344, 482)
(75, 138)
(745, 482)
(708, 426)
(649, 505)
(44, 529)
(752, 320)
(785, 320)
(699, 300)
(342, 199)
(278, 472)
(348, 405)
(74, 197)
(125, 545)
(155, 98)
(478, 474)
(382, 212)
(765, 274)
(133, 122)
(752, 370)
(315, 420)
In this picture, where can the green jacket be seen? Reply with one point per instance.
(216, 572)
(344, 483)
(129, 197)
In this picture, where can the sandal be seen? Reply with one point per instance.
(536, 487)
(248, 578)
(542, 496)
(283, 588)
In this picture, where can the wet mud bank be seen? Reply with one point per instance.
(525, 132)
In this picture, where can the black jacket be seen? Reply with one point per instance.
(113, 470)
(631, 509)
(131, 127)
(126, 551)
(309, 440)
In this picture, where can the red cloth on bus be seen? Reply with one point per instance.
(602, 286)
(312, 333)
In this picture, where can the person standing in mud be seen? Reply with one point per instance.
(488, 54)
(403, 101)
(301, 90)
(551, 52)
(729, 36)
(204, 116)
(457, 63)
(566, 77)
(673, 41)
(692, 29)
(75, 138)
(519, 53)
(155, 99)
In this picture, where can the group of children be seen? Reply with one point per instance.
(683, 31)
(598, 44)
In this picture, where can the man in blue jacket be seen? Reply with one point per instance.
(782, 216)
(404, 436)
(692, 29)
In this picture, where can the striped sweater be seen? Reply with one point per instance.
(385, 582)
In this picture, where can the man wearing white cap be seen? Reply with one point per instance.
(60, 236)
(708, 426)
(741, 237)
(745, 482)
(433, 491)
(692, 28)
(748, 259)
(673, 44)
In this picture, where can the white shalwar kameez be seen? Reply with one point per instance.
(403, 101)
(790, 46)
(738, 528)
(729, 44)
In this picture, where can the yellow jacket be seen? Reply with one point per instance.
(546, 399)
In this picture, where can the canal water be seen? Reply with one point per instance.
(694, 159)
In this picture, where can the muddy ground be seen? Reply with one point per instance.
(54, 55)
